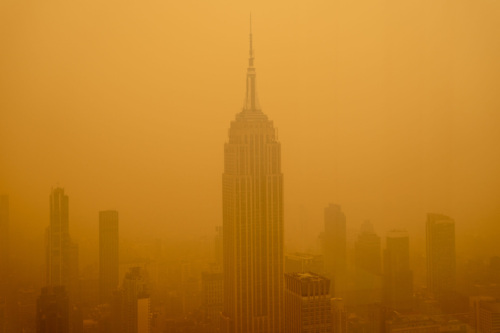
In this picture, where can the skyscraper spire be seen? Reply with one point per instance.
(251, 103)
(250, 60)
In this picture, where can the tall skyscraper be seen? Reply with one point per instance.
(398, 278)
(441, 264)
(368, 260)
(108, 254)
(135, 306)
(58, 240)
(335, 246)
(252, 220)
(368, 250)
(307, 303)
(61, 252)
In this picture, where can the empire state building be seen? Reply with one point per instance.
(252, 220)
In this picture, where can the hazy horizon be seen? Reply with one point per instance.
(388, 109)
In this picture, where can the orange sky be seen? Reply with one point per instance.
(389, 108)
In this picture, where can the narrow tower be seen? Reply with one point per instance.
(441, 261)
(58, 240)
(252, 220)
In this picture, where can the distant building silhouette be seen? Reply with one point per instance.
(335, 247)
(368, 250)
(212, 292)
(53, 311)
(368, 262)
(441, 261)
(252, 220)
(135, 303)
(307, 303)
(108, 254)
(61, 253)
(398, 278)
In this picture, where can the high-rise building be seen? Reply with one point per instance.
(335, 247)
(61, 252)
(307, 303)
(58, 240)
(368, 262)
(485, 314)
(368, 250)
(441, 262)
(252, 220)
(108, 254)
(53, 311)
(135, 303)
(398, 278)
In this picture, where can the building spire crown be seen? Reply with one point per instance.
(250, 60)
(251, 102)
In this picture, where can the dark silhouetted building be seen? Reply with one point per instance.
(307, 303)
(135, 303)
(398, 278)
(108, 254)
(53, 311)
(441, 261)
(252, 220)
(61, 252)
(368, 262)
(368, 250)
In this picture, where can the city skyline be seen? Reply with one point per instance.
(354, 137)
(378, 214)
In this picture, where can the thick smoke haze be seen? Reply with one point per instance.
(388, 108)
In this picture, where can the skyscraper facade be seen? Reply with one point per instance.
(252, 220)
(368, 250)
(398, 278)
(368, 261)
(58, 240)
(136, 302)
(61, 253)
(108, 254)
(335, 247)
(307, 303)
(441, 262)
(52, 314)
